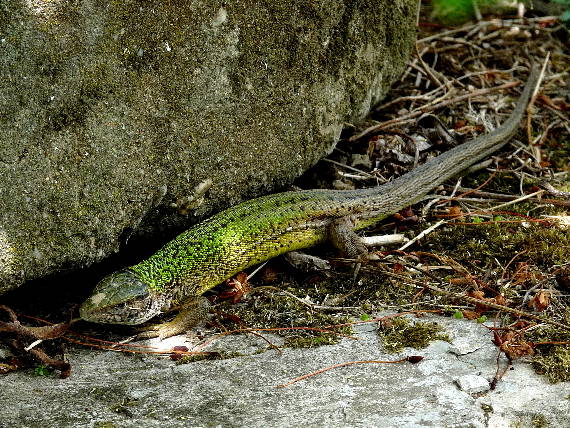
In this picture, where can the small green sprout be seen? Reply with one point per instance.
(458, 315)
(42, 370)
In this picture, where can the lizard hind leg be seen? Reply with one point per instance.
(342, 235)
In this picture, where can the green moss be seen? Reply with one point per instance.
(105, 424)
(377, 290)
(553, 361)
(490, 247)
(485, 244)
(454, 12)
(310, 341)
(272, 309)
(400, 333)
(530, 420)
(124, 407)
(372, 291)
(212, 356)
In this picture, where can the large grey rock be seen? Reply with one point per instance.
(113, 390)
(112, 111)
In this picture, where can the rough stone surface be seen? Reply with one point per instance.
(112, 390)
(112, 112)
(473, 384)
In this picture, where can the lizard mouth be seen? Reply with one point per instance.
(120, 298)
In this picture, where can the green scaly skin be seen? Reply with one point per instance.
(263, 228)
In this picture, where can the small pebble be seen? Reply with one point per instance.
(472, 384)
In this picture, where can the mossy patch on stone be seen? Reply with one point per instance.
(483, 245)
(530, 420)
(552, 360)
(274, 310)
(399, 333)
(205, 357)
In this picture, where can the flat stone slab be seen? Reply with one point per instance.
(109, 389)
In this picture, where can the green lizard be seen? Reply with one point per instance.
(262, 228)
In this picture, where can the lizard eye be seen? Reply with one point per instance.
(120, 298)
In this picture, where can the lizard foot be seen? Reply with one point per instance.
(192, 312)
(305, 262)
(341, 234)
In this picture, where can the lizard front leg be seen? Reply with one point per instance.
(191, 312)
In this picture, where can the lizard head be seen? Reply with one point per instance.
(120, 298)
